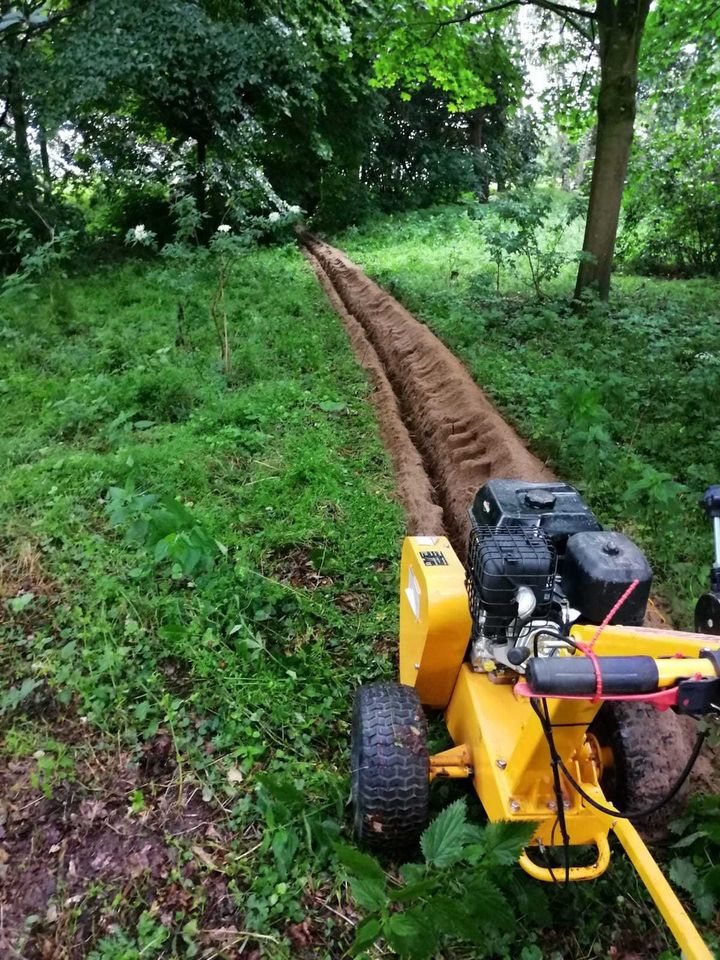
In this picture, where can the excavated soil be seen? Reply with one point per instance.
(444, 436)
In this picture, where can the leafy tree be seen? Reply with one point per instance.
(672, 208)
(26, 28)
(446, 29)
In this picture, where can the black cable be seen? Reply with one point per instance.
(641, 814)
(555, 760)
(625, 815)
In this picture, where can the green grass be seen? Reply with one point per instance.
(249, 659)
(621, 401)
(214, 565)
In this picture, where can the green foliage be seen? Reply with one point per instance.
(54, 765)
(243, 656)
(528, 225)
(467, 60)
(462, 892)
(695, 855)
(37, 261)
(672, 207)
(246, 667)
(146, 942)
(421, 154)
(164, 527)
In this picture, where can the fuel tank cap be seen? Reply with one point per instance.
(540, 499)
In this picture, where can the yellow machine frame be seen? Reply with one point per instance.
(499, 741)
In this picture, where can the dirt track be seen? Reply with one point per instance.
(444, 436)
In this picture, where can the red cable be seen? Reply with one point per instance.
(614, 610)
(587, 648)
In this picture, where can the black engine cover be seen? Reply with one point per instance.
(598, 568)
(555, 508)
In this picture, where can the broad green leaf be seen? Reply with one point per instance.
(18, 604)
(443, 841)
(411, 934)
(503, 843)
(412, 872)
(285, 843)
(368, 893)
(366, 934)
(684, 874)
(449, 914)
(413, 891)
(359, 864)
(332, 406)
(490, 904)
(690, 839)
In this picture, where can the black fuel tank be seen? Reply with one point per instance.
(598, 568)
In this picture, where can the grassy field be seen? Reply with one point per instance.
(196, 572)
(622, 401)
(189, 559)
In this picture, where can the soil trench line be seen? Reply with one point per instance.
(444, 436)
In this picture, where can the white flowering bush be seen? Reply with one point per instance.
(279, 223)
(140, 236)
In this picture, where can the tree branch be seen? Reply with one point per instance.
(567, 13)
(34, 29)
(563, 10)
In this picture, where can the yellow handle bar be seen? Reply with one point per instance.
(575, 873)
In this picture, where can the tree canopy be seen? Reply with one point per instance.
(111, 111)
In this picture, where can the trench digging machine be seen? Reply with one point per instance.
(552, 690)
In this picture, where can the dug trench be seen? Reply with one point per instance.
(446, 439)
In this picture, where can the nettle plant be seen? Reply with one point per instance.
(465, 890)
(40, 262)
(166, 529)
(525, 226)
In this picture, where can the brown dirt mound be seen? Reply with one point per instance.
(445, 437)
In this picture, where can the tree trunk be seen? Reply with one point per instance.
(200, 177)
(45, 161)
(620, 27)
(23, 157)
(477, 130)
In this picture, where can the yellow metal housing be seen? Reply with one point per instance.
(499, 741)
(434, 618)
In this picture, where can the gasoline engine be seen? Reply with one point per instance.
(538, 563)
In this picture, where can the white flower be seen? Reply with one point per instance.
(141, 232)
(274, 217)
(294, 209)
(224, 228)
(345, 33)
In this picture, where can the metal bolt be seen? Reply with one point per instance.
(514, 806)
(501, 763)
(566, 803)
(417, 666)
(552, 805)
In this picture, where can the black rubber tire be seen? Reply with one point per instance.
(390, 767)
(649, 751)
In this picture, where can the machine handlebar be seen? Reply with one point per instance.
(711, 501)
(575, 676)
(688, 684)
